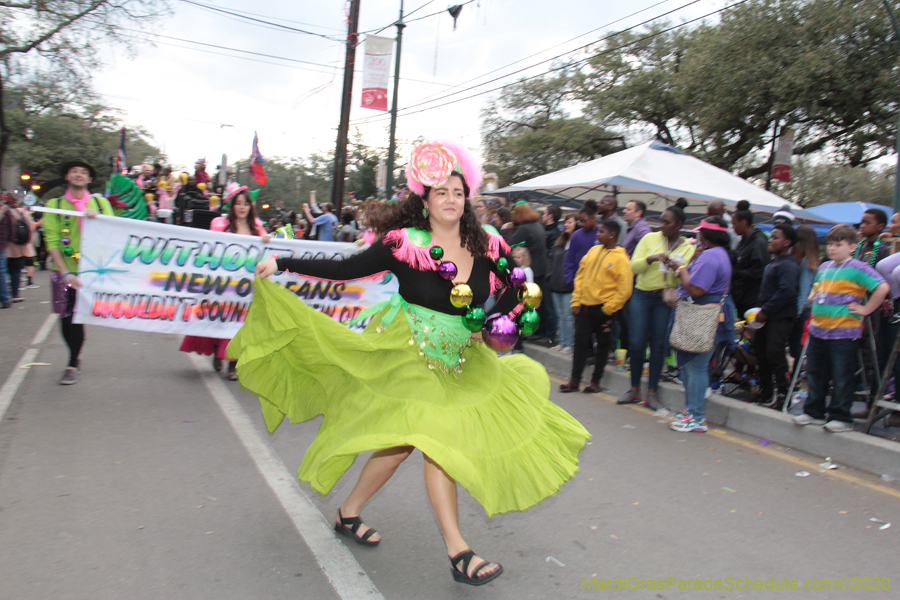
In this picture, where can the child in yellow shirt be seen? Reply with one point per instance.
(603, 284)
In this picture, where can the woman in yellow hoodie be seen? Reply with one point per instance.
(603, 284)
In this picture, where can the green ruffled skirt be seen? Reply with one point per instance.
(491, 426)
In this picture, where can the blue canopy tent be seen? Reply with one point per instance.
(658, 175)
(847, 212)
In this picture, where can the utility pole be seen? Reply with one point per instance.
(392, 146)
(890, 11)
(772, 154)
(340, 151)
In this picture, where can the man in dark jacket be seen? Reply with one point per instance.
(752, 257)
(550, 218)
(778, 299)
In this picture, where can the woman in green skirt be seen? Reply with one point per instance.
(420, 375)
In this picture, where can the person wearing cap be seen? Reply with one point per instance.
(706, 279)
(62, 237)
(6, 234)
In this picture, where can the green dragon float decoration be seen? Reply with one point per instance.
(126, 198)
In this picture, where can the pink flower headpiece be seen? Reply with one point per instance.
(432, 163)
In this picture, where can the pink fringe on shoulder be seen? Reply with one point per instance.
(471, 170)
(495, 245)
(417, 257)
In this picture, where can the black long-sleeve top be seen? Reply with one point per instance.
(752, 256)
(425, 288)
(779, 289)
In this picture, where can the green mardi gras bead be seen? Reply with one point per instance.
(474, 318)
(502, 265)
(68, 251)
(529, 322)
(437, 253)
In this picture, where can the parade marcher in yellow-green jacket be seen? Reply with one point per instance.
(603, 284)
(62, 236)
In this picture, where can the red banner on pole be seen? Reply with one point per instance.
(781, 168)
(376, 71)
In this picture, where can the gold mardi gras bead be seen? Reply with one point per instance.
(530, 294)
(460, 295)
(65, 231)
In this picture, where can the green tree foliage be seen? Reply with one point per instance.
(820, 183)
(529, 131)
(51, 124)
(827, 68)
(61, 37)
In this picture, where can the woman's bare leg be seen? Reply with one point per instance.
(379, 468)
(441, 490)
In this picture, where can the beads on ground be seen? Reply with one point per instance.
(460, 295)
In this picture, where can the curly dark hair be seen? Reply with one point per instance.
(408, 213)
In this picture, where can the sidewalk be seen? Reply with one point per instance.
(853, 449)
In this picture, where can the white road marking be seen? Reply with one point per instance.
(41, 336)
(340, 567)
(15, 379)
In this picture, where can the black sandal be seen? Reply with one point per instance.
(350, 526)
(462, 575)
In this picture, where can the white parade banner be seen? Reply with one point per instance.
(376, 72)
(171, 279)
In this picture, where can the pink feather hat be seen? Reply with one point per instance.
(431, 163)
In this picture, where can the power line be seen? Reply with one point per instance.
(552, 70)
(270, 23)
(611, 23)
(374, 32)
(269, 17)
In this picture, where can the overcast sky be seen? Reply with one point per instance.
(199, 101)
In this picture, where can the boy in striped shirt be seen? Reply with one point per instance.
(835, 330)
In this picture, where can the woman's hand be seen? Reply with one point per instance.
(674, 264)
(265, 238)
(656, 258)
(91, 213)
(507, 226)
(576, 310)
(72, 280)
(265, 268)
(477, 336)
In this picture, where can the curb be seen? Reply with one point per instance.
(854, 449)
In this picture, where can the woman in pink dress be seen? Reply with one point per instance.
(241, 219)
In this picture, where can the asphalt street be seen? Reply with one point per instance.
(154, 478)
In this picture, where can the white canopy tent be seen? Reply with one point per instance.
(656, 174)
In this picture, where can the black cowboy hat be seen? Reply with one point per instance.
(64, 169)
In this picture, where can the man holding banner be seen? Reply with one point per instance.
(62, 236)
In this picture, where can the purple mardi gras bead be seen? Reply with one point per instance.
(516, 277)
(499, 332)
(448, 270)
(65, 241)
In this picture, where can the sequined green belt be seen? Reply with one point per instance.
(439, 337)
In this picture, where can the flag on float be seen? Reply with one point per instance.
(120, 154)
(256, 162)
